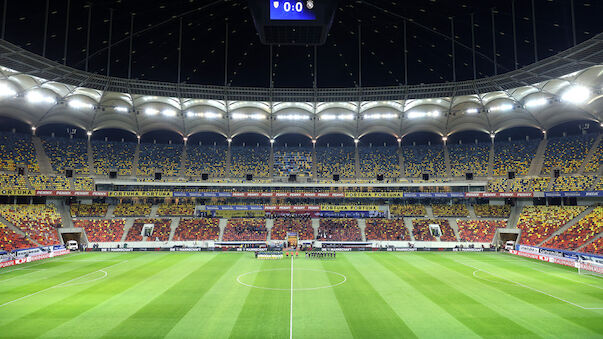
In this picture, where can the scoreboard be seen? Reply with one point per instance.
(293, 22)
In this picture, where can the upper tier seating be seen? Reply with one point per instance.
(514, 156)
(422, 232)
(538, 222)
(250, 160)
(335, 160)
(595, 247)
(596, 162)
(83, 184)
(471, 158)
(161, 230)
(44, 182)
(599, 185)
(132, 210)
(530, 185)
(89, 210)
(197, 229)
(379, 160)
(10, 240)
(566, 153)
(176, 210)
(102, 230)
(408, 210)
(498, 185)
(242, 229)
(479, 230)
(116, 156)
(162, 158)
(386, 229)
(17, 150)
(67, 154)
(293, 160)
(424, 159)
(12, 181)
(577, 183)
(583, 231)
(455, 210)
(492, 211)
(206, 159)
(339, 230)
(282, 226)
(39, 222)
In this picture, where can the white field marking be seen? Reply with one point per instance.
(58, 285)
(42, 262)
(291, 311)
(22, 275)
(86, 281)
(531, 288)
(287, 289)
(526, 260)
(482, 278)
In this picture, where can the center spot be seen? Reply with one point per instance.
(279, 279)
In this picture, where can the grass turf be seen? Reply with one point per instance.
(381, 294)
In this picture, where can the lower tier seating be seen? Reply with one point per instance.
(282, 226)
(245, 229)
(102, 230)
(596, 247)
(586, 229)
(10, 240)
(38, 222)
(479, 230)
(197, 229)
(386, 229)
(339, 230)
(538, 222)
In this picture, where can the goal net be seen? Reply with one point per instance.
(590, 267)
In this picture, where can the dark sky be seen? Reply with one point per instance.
(156, 35)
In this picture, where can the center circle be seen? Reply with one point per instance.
(284, 274)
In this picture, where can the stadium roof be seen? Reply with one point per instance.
(561, 88)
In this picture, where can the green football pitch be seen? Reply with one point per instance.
(367, 295)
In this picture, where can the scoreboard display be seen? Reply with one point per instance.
(293, 22)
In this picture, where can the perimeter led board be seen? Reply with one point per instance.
(293, 22)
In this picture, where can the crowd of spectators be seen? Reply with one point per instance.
(492, 211)
(89, 210)
(379, 160)
(301, 226)
(197, 229)
(479, 230)
(454, 210)
(45, 182)
(537, 223)
(574, 183)
(408, 210)
(530, 184)
(164, 158)
(338, 230)
(250, 160)
(292, 160)
(102, 230)
(66, 153)
(176, 210)
(132, 210)
(206, 159)
(469, 158)
(38, 222)
(580, 233)
(335, 160)
(424, 159)
(566, 153)
(244, 229)
(11, 240)
(17, 150)
(161, 230)
(117, 156)
(386, 229)
(513, 156)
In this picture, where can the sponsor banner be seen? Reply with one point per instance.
(117, 249)
(122, 194)
(403, 249)
(17, 192)
(338, 208)
(467, 249)
(499, 195)
(577, 194)
(187, 249)
(525, 248)
(33, 258)
(234, 208)
(374, 194)
(589, 267)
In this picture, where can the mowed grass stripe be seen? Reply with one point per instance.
(490, 289)
(158, 317)
(366, 313)
(409, 303)
(265, 313)
(480, 318)
(126, 293)
(214, 315)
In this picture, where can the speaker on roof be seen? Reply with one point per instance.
(249, 177)
(335, 177)
(292, 177)
(157, 175)
(112, 174)
(425, 176)
(69, 173)
(379, 177)
(511, 175)
(469, 176)
(204, 176)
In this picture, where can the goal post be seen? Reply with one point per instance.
(589, 267)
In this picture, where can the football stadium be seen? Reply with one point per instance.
(301, 169)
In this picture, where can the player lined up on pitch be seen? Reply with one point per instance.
(320, 255)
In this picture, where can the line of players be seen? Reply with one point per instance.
(320, 255)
